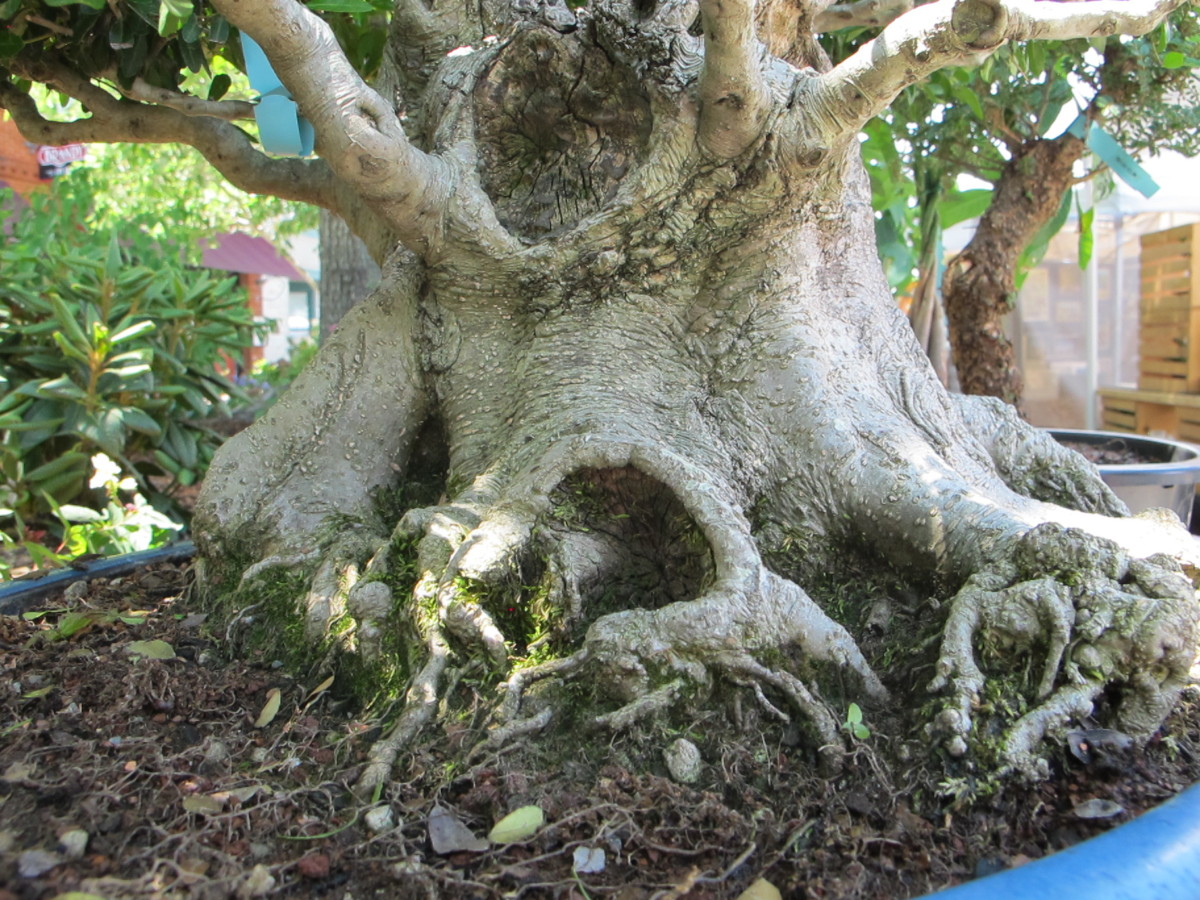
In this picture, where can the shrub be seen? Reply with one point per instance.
(105, 350)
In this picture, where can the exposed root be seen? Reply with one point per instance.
(1033, 463)
(1096, 617)
(817, 713)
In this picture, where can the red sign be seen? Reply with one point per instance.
(60, 156)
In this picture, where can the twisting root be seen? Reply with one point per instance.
(1099, 619)
(831, 747)
(646, 659)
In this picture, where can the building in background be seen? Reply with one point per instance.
(276, 290)
(1076, 330)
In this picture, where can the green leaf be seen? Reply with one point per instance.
(519, 825)
(72, 624)
(963, 206)
(141, 422)
(151, 649)
(219, 87)
(1087, 237)
(114, 263)
(71, 460)
(1173, 60)
(854, 714)
(93, 4)
(69, 323)
(10, 44)
(133, 331)
(171, 15)
(860, 731)
(970, 98)
(72, 513)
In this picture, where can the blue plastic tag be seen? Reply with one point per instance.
(1113, 155)
(281, 128)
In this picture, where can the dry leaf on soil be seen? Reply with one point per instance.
(270, 709)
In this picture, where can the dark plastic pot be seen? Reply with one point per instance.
(1167, 479)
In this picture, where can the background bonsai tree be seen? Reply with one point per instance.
(1001, 123)
(633, 385)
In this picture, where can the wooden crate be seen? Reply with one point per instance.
(1151, 412)
(1169, 335)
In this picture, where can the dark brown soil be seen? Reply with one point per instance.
(1114, 453)
(161, 764)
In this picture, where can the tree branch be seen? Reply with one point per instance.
(955, 33)
(357, 131)
(114, 120)
(733, 94)
(144, 92)
(860, 14)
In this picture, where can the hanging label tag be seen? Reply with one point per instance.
(1113, 155)
(281, 128)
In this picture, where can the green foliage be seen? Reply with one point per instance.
(972, 121)
(129, 193)
(278, 375)
(104, 351)
(181, 45)
(126, 524)
(854, 722)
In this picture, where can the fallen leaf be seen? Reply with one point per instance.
(1097, 808)
(519, 825)
(155, 649)
(270, 709)
(77, 895)
(761, 890)
(18, 771)
(33, 863)
(588, 860)
(39, 692)
(258, 883)
(199, 803)
(245, 793)
(321, 688)
(448, 835)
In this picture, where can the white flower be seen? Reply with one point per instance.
(106, 471)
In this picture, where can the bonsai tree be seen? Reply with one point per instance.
(632, 385)
(1001, 123)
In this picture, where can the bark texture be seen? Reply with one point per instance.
(633, 380)
(979, 286)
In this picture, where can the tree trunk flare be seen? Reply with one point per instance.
(636, 402)
(347, 271)
(979, 285)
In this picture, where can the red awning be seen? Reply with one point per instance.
(237, 252)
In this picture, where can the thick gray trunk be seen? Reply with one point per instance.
(611, 327)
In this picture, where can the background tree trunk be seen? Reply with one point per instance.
(347, 271)
(979, 285)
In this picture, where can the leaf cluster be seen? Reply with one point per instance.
(105, 351)
(166, 42)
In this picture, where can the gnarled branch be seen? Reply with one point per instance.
(860, 14)
(357, 131)
(144, 92)
(955, 33)
(114, 120)
(733, 94)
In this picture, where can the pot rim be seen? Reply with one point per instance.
(1184, 468)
